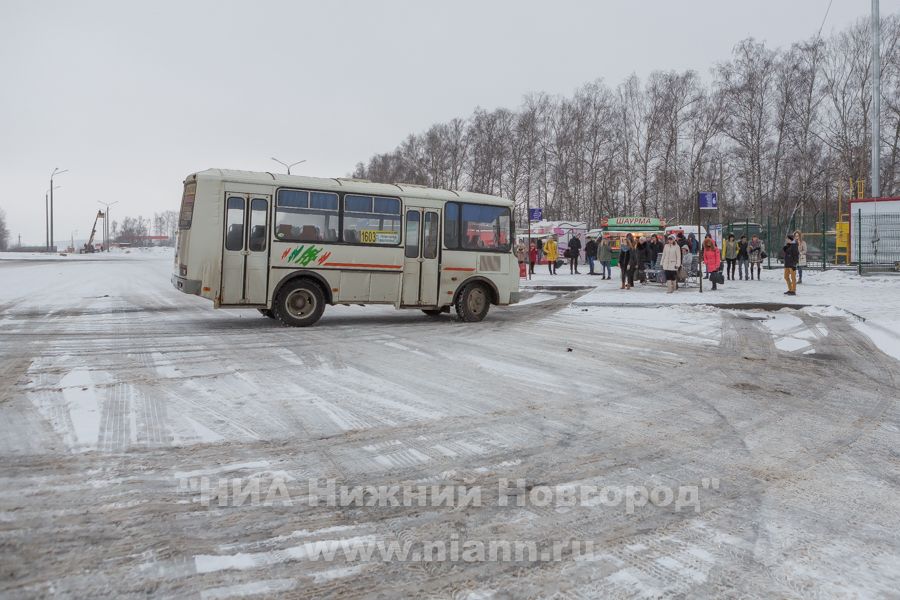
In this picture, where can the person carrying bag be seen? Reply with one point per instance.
(713, 260)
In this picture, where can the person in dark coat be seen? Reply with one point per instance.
(574, 250)
(692, 244)
(654, 247)
(791, 260)
(626, 251)
(590, 254)
(639, 259)
(743, 258)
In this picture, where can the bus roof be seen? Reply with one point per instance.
(346, 185)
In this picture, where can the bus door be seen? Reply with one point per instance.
(421, 264)
(245, 249)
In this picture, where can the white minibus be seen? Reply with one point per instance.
(289, 245)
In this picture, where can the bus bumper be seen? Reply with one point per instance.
(513, 297)
(188, 286)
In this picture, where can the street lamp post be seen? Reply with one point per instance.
(47, 218)
(106, 222)
(55, 172)
(288, 166)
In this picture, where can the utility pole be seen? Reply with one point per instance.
(47, 218)
(55, 172)
(106, 231)
(876, 99)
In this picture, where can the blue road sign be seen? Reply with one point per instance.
(535, 214)
(708, 200)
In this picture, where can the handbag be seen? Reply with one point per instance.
(681, 274)
(763, 254)
(718, 277)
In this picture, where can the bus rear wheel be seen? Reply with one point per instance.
(473, 303)
(299, 303)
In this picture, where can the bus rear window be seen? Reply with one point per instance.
(187, 206)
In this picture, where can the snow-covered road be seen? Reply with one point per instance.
(122, 401)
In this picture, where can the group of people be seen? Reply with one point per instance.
(637, 253)
(744, 255)
(549, 249)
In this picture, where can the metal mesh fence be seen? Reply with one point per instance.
(864, 242)
(819, 231)
(875, 242)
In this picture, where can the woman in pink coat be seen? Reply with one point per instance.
(711, 258)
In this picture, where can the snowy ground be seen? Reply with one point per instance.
(120, 398)
(876, 299)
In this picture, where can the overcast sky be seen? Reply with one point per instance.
(131, 96)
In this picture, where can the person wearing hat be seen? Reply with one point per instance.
(791, 260)
(590, 254)
(671, 262)
(731, 251)
(692, 243)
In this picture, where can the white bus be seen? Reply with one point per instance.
(289, 245)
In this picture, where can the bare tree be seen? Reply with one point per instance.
(774, 131)
(4, 231)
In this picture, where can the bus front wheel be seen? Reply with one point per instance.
(300, 303)
(473, 303)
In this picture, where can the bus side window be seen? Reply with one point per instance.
(412, 234)
(234, 222)
(311, 216)
(258, 213)
(451, 225)
(429, 250)
(371, 220)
